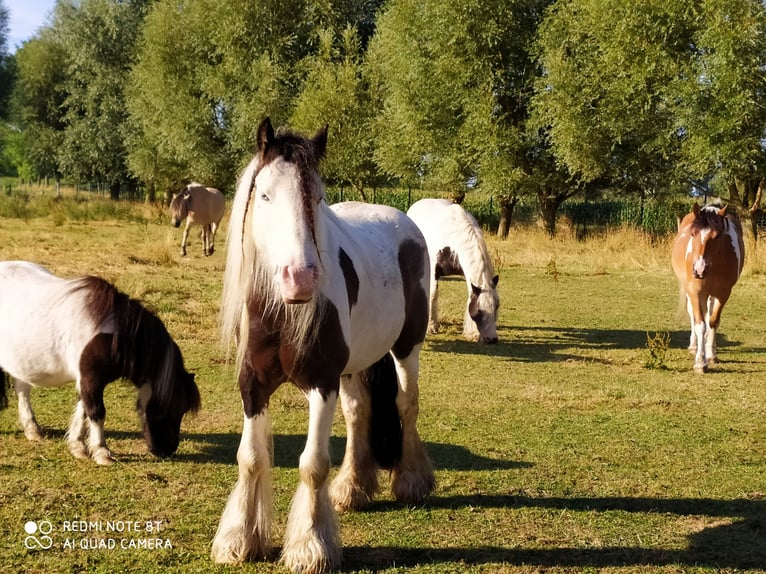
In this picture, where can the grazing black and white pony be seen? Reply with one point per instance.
(54, 331)
(456, 247)
(334, 299)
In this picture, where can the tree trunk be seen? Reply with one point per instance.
(549, 206)
(151, 192)
(507, 205)
(114, 190)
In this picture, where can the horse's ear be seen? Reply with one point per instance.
(722, 211)
(696, 208)
(476, 290)
(265, 135)
(320, 141)
(495, 279)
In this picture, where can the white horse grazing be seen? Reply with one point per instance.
(456, 247)
(198, 205)
(333, 299)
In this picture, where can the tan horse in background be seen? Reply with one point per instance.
(199, 205)
(707, 255)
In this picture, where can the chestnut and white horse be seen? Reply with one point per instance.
(198, 205)
(707, 256)
(54, 331)
(456, 247)
(333, 299)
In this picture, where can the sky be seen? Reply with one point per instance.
(26, 17)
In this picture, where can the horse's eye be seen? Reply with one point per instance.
(477, 316)
(265, 198)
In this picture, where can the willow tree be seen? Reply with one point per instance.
(661, 91)
(455, 82)
(210, 70)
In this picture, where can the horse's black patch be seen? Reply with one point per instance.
(412, 265)
(352, 279)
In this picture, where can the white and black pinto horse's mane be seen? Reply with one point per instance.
(141, 348)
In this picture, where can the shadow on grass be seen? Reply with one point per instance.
(739, 544)
(550, 344)
(222, 448)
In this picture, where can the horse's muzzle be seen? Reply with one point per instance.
(176, 223)
(298, 283)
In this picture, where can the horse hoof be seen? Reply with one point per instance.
(700, 369)
(79, 452)
(34, 434)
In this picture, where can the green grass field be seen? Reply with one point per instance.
(556, 450)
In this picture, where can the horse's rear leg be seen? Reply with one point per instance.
(433, 309)
(185, 238)
(244, 531)
(27, 419)
(76, 434)
(206, 239)
(357, 481)
(213, 229)
(311, 539)
(413, 478)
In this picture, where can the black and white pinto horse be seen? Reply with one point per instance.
(456, 247)
(333, 299)
(54, 331)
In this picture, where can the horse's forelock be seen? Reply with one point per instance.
(708, 218)
(304, 154)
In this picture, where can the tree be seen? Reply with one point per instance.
(455, 82)
(657, 93)
(335, 93)
(37, 104)
(210, 70)
(99, 37)
(7, 71)
(723, 116)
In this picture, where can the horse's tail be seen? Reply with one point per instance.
(3, 391)
(385, 424)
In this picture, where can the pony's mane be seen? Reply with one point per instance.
(476, 262)
(708, 218)
(141, 346)
(245, 278)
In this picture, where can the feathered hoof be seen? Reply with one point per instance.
(234, 547)
(103, 457)
(411, 487)
(700, 368)
(347, 496)
(79, 451)
(33, 433)
(310, 554)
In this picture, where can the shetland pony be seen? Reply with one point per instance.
(54, 330)
(334, 300)
(456, 247)
(707, 256)
(199, 205)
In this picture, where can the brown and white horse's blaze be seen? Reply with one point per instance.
(198, 205)
(54, 331)
(707, 255)
(456, 247)
(333, 299)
